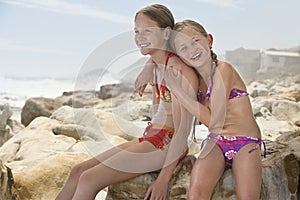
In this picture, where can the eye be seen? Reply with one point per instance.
(182, 48)
(147, 31)
(194, 41)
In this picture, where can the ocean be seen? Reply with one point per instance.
(15, 91)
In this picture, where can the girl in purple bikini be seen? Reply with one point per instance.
(224, 107)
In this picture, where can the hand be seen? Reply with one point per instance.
(174, 79)
(157, 191)
(146, 76)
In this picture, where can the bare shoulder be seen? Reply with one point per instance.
(178, 64)
(188, 72)
(225, 67)
(229, 74)
(226, 70)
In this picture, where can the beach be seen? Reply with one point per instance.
(57, 134)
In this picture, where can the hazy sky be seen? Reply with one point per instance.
(53, 38)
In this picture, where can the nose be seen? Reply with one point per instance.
(192, 50)
(140, 34)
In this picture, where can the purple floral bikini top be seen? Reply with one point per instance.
(233, 93)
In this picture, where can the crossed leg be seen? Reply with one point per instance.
(117, 164)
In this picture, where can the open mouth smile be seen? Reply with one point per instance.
(144, 45)
(196, 56)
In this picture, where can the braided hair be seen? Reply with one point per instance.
(179, 26)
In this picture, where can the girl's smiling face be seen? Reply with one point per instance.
(148, 35)
(192, 47)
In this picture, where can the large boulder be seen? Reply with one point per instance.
(40, 161)
(277, 113)
(280, 176)
(35, 107)
(137, 187)
(8, 126)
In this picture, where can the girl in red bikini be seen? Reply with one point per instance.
(224, 107)
(164, 140)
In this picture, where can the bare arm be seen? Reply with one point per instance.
(222, 85)
(175, 79)
(155, 101)
(145, 76)
(183, 121)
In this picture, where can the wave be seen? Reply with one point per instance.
(16, 90)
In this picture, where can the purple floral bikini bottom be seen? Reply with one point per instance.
(230, 145)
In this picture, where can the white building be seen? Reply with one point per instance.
(274, 58)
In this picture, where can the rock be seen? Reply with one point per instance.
(41, 161)
(14, 126)
(280, 179)
(280, 172)
(277, 113)
(5, 114)
(276, 89)
(69, 130)
(136, 188)
(35, 107)
(8, 127)
(4, 188)
(260, 102)
(272, 128)
(285, 110)
(44, 179)
(78, 132)
(109, 91)
(113, 90)
(257, 89)
(64, 114)
(79, 99)
(41, 155)
(98, 122)
(280, 176)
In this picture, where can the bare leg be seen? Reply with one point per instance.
(205, 174)
(119, 167)
(68, 190)
(247, 171)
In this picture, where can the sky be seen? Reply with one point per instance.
(54, 38)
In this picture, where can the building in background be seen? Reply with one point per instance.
(278, 58)
(244, 60)
(259, 61)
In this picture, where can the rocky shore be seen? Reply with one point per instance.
(37, 153)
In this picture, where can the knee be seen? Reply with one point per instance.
(198, 194)
(84, 178)
(87, 183)
(76, 171)
(246, 196)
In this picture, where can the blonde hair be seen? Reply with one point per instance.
(158, 13)
(179, 26)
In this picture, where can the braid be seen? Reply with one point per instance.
(214, 63)
(213, 55)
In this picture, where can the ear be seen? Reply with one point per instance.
(167, 32)
(210, 40)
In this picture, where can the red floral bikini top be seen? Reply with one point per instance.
(163, 92)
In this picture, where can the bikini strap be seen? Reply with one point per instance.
(260, 141)
(170, 54)
(157, 92)
(157, 95)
